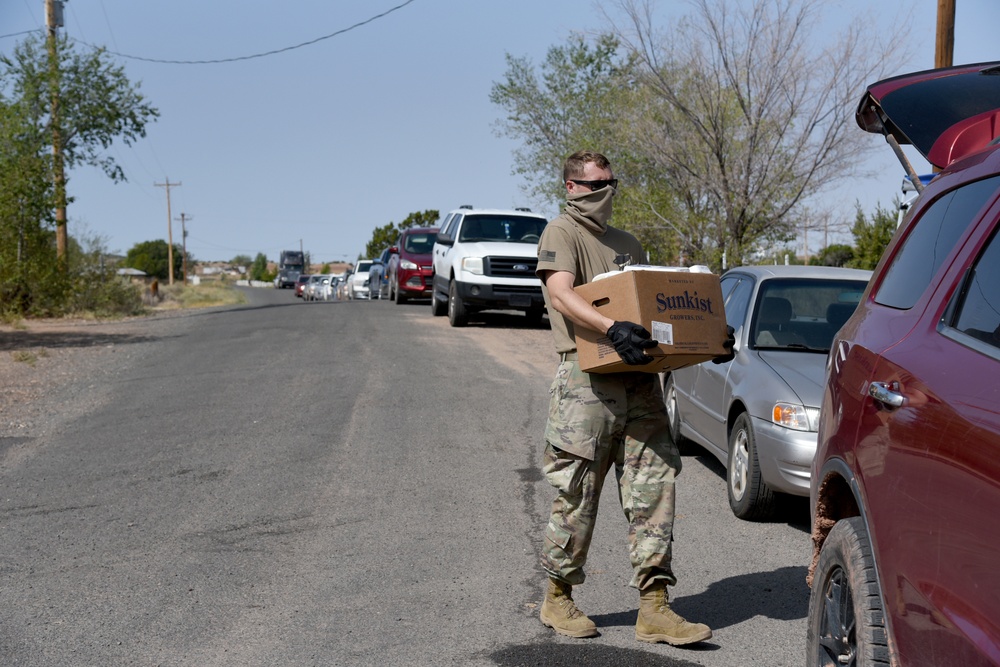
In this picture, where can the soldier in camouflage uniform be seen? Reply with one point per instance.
(597, 421)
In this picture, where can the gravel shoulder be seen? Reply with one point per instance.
(50, 369)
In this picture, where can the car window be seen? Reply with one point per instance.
(802, 313)
(930, 241)
(452, 224)
(979, 312)
(419, 244)
(727, 283)
(502, 228)
(737, 302)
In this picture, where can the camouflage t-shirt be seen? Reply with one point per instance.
(566, 245)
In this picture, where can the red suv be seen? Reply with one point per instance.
(410, 266)
(906, 478)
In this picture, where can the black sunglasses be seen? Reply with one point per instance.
(597, 185)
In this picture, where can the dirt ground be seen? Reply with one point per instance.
(50, 368)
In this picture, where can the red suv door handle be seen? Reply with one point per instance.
(886, 392)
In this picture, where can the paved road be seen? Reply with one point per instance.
(344, 483)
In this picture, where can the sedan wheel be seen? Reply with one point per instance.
(749, 497)
(846, 622)
(674, 415)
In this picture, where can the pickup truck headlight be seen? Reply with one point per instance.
(473, 265)
(791, 415)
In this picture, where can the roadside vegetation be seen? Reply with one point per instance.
(205, 295)
(725, 127)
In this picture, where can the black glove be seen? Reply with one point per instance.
(630, 339)
(729, 345)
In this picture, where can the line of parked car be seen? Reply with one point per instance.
(477, 260)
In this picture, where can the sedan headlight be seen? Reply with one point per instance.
(407, 264)
(791, 415)
(473, 265)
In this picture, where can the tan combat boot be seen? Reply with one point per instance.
(657, 622)
(559, 612)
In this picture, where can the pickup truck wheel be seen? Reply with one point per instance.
(458, 315)
(749, 497)
(438, 307)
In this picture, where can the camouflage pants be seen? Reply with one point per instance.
(596, 421)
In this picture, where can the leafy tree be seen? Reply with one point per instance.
(97, 104)
(152, 258)
(584, 96)
(426, 218)
(241, 260)
(720, 131)
(871, 236)
(757, 100)
(258, 268)
(383, 237)
(27, 248)
(836, 254)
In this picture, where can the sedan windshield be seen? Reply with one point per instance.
(803, 314)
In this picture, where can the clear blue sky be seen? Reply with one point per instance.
(321, 144)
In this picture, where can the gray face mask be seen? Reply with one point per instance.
(592, 209)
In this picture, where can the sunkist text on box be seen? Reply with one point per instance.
(681, 307)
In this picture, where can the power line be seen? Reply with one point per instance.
(23, 32)
(256, 55)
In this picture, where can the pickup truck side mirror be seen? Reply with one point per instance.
(445, 239)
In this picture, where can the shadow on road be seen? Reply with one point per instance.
(781, 594)
(588, 654)
(791, 510)
(13, 341)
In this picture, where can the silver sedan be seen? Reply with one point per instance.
(758, 414)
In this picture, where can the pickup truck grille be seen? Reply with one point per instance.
(510, 267)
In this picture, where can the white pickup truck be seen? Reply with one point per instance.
(485, 259)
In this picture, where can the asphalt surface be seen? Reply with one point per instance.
(344, 483)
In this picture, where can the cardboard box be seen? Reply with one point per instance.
(681, 308)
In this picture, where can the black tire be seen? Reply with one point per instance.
(458, 315)
(535, 315)
(398, 296)
(846, 624)
(438, 307)
(749, 497)
(674, 415)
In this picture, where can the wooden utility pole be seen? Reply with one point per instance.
(945, 46)
(170, 230)
(184, 248)
(54, 20)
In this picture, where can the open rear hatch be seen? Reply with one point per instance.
(946, 114)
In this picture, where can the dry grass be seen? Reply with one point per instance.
(29, 357)
(205, 295)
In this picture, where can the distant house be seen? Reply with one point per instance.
(135, 276)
